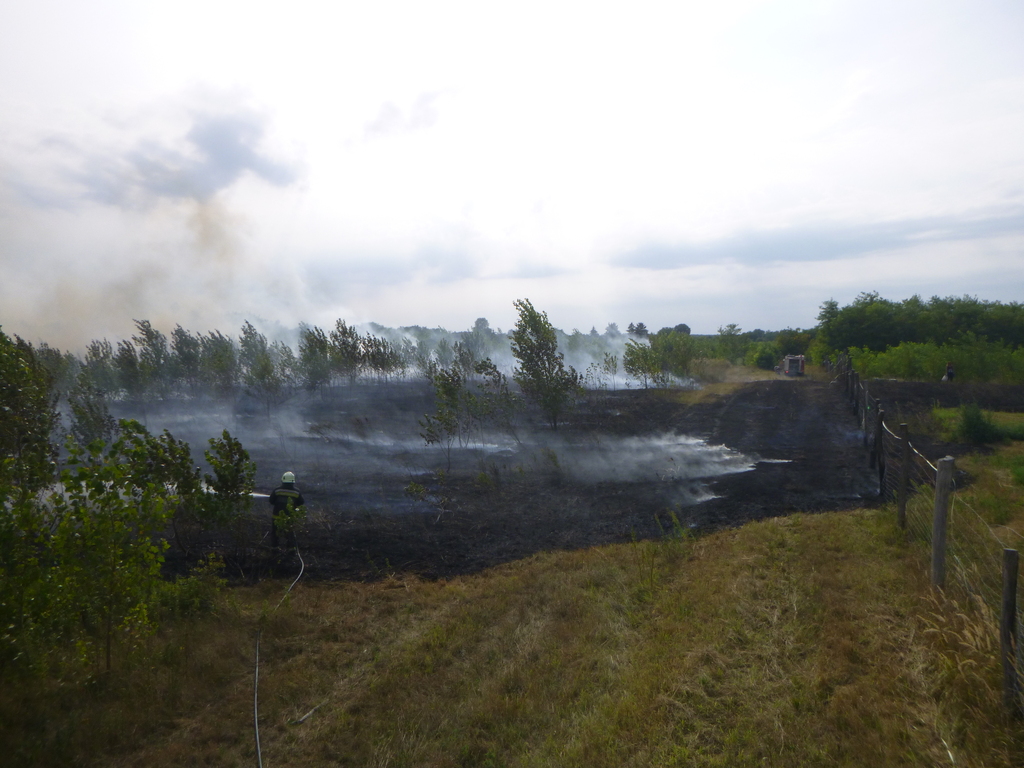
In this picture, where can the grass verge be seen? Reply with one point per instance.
(971, 424)
(807, 640)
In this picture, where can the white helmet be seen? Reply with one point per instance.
(289, 477)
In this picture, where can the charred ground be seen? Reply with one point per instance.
(798, 437)
(794, 445)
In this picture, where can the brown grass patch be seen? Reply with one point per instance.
(806, 640)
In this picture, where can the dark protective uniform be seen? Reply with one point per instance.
(285, 501)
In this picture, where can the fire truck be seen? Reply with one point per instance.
(793, 365)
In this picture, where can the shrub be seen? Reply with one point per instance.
(976, 427)
(763, 354)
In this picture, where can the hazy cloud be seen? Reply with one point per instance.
(391, 120)
(219, 149)
(821, 242)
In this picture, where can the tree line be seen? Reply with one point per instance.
(917, 339)
(151, 365)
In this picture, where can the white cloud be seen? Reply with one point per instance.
(430, 163)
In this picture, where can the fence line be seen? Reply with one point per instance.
(975, 553)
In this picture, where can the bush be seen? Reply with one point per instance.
(763, 354)
(976, 427)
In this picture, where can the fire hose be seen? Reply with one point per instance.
(256, 666)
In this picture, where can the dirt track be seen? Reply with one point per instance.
(799, 435)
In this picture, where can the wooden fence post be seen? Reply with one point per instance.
(878, 454)
(868, 403)
(904, 487)
(876, 448)
(1008, 634)
(943, 486)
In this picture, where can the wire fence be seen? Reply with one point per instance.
(974, 549)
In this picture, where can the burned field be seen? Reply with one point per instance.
(624, 465)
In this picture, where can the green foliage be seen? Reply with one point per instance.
(99, 365)
(973, 360)
(495, 402)
(451, 418)
(976, 427)
(676, 352)
(233, 479)
(27, 416)
(762, 354)
(220, 366)
(130, 378)
(641, 361)
(730, 342)
(542, 374)
(90, 418)
(1017, 473)
(792, 341)
(63, 369)
(261, 372)
(463, 407)
(153, 357)
(876, 324)
(186, 360)
(381, 357)
(81, 561)
(314, 358)
(194, 594)
(345, 350)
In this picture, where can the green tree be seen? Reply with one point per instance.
(380, 356)
(675, 353)
(542, 374)
(99, 365)
(640, 360)
(346, 357)
(233, 479)
(730, 342)
(314, 358)
(28, 417)
(130, 379)
(219, 364)
(154, 358)
(90, 417)
(62, 368)
(450, 420)
(186, 360)
(495, 402)
(762, 354)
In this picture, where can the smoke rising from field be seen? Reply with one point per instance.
(361, 447)
(158, 229)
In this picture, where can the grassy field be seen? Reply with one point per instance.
(810, 640)
(807, 640)
(947, 423)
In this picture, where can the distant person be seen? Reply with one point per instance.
(286, 501)
(949, 372)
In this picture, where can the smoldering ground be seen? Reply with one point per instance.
(358, 447)
(626, 465)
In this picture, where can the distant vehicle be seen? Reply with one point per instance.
(793, 365)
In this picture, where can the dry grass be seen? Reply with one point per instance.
(808, 640)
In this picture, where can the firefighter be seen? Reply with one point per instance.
(285, 501)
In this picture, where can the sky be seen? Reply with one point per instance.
(428, 163)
